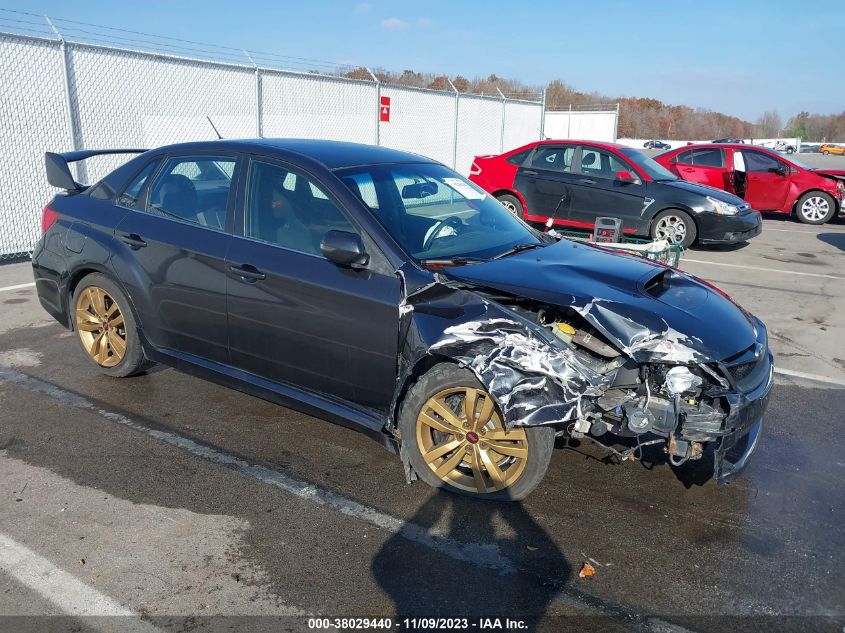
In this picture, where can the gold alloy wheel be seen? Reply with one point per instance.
(463, 440)
(99, 322)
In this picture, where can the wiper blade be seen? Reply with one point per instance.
(518, 249)
(443, 262)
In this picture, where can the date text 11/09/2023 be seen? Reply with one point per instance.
(417, 624)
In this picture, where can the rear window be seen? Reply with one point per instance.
(519, 157)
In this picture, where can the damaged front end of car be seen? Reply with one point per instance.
(600, 348)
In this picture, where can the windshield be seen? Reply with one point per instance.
(655, 170)
(434, 213)
(796, 162)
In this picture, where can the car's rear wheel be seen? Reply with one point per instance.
(455, 438)
(512, 204)
(674, 226)
(815, 207)
(106, 327)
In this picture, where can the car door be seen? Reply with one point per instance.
(597, 192)
(705, 166)
(766, 180)
(295, 317)
(544, 180)
(172, 262)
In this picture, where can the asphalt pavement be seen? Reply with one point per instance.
(166, 503)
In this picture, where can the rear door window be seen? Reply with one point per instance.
(194, 189)
(554, 158)
(709, 157)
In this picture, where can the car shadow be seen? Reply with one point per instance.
(719, 247)
(834, 239)
(493, 547)
(692, 473)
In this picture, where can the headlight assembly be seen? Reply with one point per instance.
(723, 208)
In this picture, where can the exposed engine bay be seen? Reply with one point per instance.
(679, 403)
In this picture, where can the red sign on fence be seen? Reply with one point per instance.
(384, 110)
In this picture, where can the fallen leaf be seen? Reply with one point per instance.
(587, 570)
(531, 548)
(81, 561)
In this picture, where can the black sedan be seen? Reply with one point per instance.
(383, 291)
(655, 144)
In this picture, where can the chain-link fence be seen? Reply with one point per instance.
(58, 95)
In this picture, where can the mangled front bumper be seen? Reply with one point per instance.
(745, 422)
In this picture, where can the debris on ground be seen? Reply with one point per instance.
(587, 570)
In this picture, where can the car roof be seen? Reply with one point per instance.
(572, 141)
(332, 154)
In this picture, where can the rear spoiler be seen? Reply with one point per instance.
(58, 171)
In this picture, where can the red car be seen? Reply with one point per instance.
(572, 183)
(764, 178)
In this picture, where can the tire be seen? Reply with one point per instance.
(106, 328)
(663, 223)
(512, 204)
(825, 153)
(516, 474)
(815, 207)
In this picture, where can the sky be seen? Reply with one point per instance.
(741, 57)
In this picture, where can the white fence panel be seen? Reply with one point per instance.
(129, 99)
(421, 121)
(33, 119)
(593, 126)
(522, 123)
(317, 107)
(479, 129)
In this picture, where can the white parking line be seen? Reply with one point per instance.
(765, 270)
(486, 555)
(65, 590)
(18, 287)
(801, 374)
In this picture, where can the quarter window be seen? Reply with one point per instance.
(129, 198)
(556, 158)
(287, 209)
(194, 189)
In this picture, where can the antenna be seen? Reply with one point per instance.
(214, 127)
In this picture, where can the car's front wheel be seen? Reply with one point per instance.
(674, 226)
(825, 153)
(815, 207)
(454, 436)
(512, 204)
(106, 327)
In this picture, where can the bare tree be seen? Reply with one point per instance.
(769, 125)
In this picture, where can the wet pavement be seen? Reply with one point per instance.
(194, 505)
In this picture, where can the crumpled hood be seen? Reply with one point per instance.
(620, 295)
(704, 190)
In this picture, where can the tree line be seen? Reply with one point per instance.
(638, 117)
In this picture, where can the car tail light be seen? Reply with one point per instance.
(48, 219)
(475, 169)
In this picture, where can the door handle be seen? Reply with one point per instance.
(248, 273)
(689, 170)
(133, 240)
(529, 172)
(587, 181)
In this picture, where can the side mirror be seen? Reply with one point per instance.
(781, 170)
(625, 177)
(344, 248)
